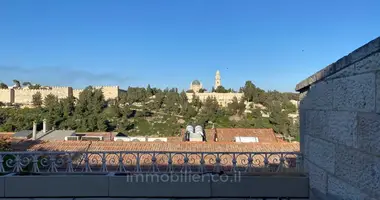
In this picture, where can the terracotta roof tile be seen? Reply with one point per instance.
(165, 146)
(129, 160)
(229, 134)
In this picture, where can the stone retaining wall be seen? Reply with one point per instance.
(340, 126)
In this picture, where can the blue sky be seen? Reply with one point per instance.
(166, 43)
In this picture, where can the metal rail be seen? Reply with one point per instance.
(150, 162)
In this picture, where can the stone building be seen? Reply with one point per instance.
(217, 80)
(223, 98)
(195, 86)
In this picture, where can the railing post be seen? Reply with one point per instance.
(299, 163)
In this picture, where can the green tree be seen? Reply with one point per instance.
(68, 106)
(3, 86)
(171, 102)
(37, 99)
(196, 102)
(88, 110)
(221, 89)
(17, 83)
(233, 106)
(149, 91)
(289, 107)
(279, 119)
(294, 129)
(159, 100)
(256, 113)
(53, 110)
(202, 90)
(210, 109)
(26, 84)
(35, 86)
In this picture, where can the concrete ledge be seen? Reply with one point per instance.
(262, 186)
(357, 55)
(153, 186)
(164, 185)
(56, 186)
(2, 186)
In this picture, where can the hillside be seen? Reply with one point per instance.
(151, 111)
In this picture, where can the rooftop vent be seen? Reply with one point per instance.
(137, 139)
(72, 138)
(157, 139)
(199, 130)
(246, 139)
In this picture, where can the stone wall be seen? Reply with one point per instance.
(25, 96)
(109, 92)
(76, 92)
(223, 98)
(340, 126)
(5, 95)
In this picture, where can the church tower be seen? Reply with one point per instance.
(217, 80)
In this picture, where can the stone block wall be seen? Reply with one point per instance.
(5, 95)
(109, 92)
(76, 92)
(340, 126)
(25, 96)
(223, 98)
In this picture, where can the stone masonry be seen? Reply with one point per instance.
(340, 126)
(24, 96)
(223, 98)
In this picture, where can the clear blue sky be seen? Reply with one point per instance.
(165, 43)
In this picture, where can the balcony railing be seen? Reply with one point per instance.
(152, 174)
(150, 162)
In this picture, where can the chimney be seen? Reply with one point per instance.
(44, 126)
(34, 131)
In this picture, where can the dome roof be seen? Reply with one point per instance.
(196, 82)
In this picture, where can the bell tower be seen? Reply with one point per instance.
(217, 79)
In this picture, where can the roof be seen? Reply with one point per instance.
(57, 135)
(228, 150)
(266, 135)
(196, 82)
(164, 146)
(23, 134)
(106, 135)
(229, 134)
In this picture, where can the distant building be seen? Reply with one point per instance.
(217, 80)
(195, 86)
(223, 98)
